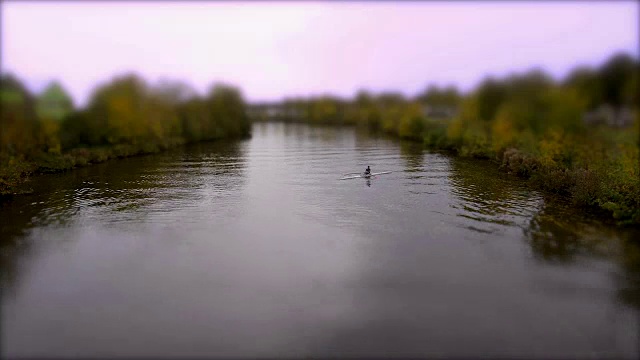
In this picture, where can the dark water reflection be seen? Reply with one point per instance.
(557, 235)
(254, 248)
(118, 191)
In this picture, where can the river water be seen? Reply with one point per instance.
(254, 248)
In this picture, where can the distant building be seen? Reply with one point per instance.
(273, 112)
(607, 115)
(439, 112)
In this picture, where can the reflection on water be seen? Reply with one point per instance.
(629, 258)
(128, 190)
(457, 270)
(255, 248)
(490, 201)
(558, 235)
(555, 232)
(413, 155)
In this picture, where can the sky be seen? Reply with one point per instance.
(272, 50)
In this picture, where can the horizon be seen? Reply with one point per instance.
(293, 58)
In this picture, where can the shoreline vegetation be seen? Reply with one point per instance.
(578, 137)
(125, 117)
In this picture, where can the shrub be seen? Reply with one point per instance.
(586, 187)
(517, 162)
(554, 179)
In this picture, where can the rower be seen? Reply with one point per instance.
(368, 171)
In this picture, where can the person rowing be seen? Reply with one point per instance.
(367, 174)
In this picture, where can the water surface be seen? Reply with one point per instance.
(255, 249)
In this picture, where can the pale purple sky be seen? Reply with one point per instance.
(272, 50)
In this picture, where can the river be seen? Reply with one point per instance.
(254, 248)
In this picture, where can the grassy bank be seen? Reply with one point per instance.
(15, 171)
(124, 117)
(578, 138)
(598, 169)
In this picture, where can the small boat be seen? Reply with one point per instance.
(362, 175)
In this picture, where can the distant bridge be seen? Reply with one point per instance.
(273, 112)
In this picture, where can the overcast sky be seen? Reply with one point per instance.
(272, 50)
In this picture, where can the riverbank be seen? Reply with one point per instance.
(597, 170)
(577, 137)
(200, 217)
(124, 117)
(16, 171)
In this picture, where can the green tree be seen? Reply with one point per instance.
(116, 112)
(585, 82)
(18, 121)
(614, 76)
(490, 95)
(54, 103)
(227, 108)
(435, 96)
(412, 122)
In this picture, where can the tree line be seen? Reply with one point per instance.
(578, 136)
(125, 116)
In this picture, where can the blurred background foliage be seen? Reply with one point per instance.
(125, 116)
(578, 136)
